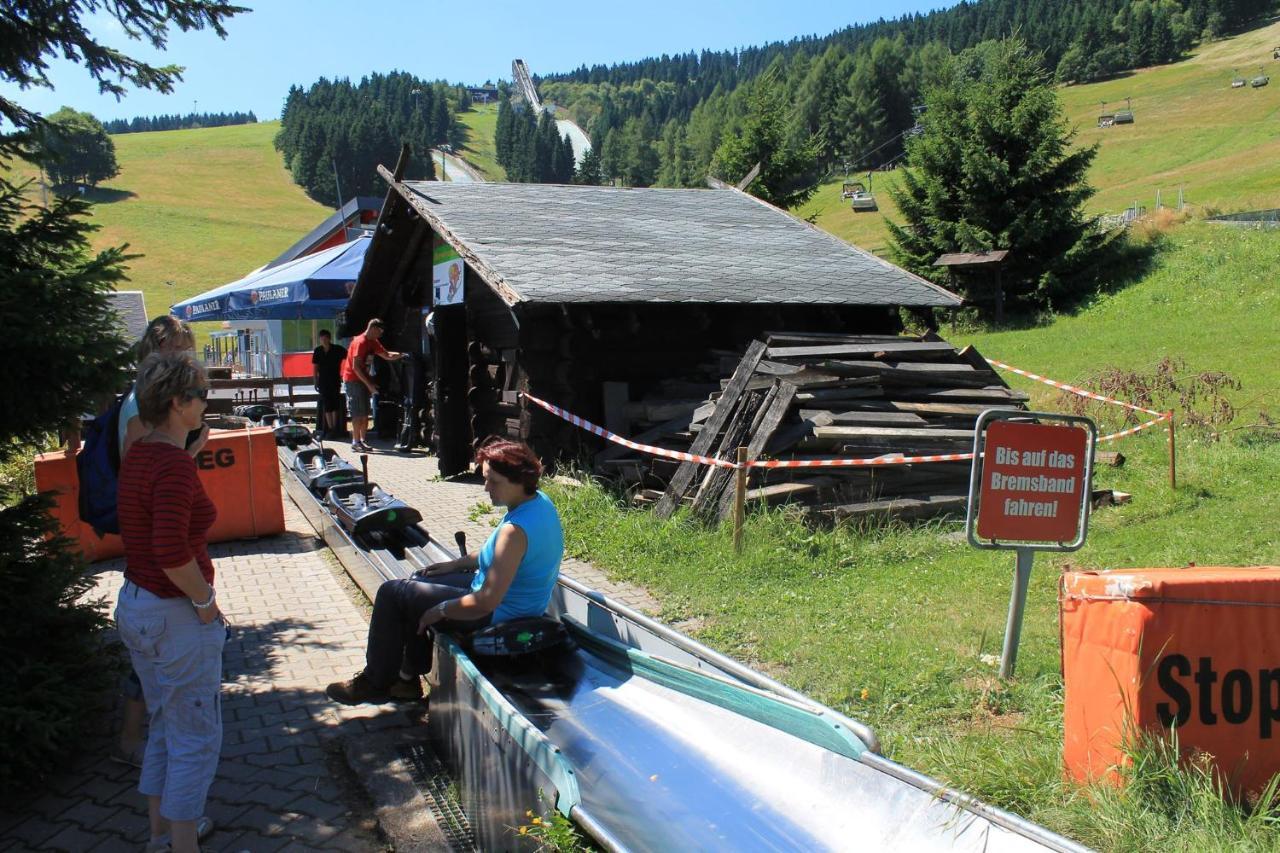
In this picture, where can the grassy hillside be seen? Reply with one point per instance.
(202, 207)
(1210, 299)
(480, 123)
(1192, 131)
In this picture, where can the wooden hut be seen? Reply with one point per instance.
(574, 292)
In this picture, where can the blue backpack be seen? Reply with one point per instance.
(98, 468)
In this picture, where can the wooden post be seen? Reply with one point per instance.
(740, 499)
(999, 299)
(1173, 459)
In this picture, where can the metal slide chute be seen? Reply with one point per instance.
(646, 739)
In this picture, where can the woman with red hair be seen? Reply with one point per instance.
(512, 576)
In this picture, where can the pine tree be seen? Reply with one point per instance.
(588, 171)
(62, 352)
(788, 159)
(564, 175)
(995, 169)
(503, 133)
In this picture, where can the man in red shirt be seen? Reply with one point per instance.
(357, 382)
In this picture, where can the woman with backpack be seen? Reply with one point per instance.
(167, 611)
(164, 334)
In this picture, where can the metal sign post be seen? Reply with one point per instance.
(1029, 491)
(1017, 606)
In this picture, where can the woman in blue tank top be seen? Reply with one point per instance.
(512, 576)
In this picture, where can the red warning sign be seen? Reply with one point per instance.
(1033, 482)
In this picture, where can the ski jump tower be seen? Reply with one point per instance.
(524, 83)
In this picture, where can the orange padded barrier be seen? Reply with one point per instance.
(239, 470)
(1195, 648)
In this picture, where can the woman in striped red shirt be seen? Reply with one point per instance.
(167, 612)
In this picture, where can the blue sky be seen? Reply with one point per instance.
(283, 42)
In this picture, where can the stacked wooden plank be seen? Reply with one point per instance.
(806, 395)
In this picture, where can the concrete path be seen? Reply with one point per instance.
(451, 168)
(284, 782)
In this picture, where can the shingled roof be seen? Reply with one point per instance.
(130, 313)
(551, 243)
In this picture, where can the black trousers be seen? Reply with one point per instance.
(394, 643)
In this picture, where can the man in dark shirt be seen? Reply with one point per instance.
(326, 368)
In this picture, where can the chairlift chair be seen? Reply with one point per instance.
(1260, 81)
(859, 196)
(1238, 82)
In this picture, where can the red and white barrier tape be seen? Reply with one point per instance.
(889, 459)
(1122, 433)
(626, 442)
(1062, 386)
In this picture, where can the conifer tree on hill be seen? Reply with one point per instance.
(788, 157)
(61, 352)
(995, 169)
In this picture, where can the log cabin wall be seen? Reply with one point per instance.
(566, 353)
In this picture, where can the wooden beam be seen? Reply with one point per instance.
(773, 413)
(617, 451)
(825, 417)
(782, 492)
(926, 507)
(724, 408)
(616, 395)
(875, 349)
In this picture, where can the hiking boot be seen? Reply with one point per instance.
(406, 690)
(357, 691)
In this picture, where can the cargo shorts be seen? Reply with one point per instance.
(357, 398)
(178, 659)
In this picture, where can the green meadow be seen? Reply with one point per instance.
(1192, 131)
(479, 123)
(201, 207)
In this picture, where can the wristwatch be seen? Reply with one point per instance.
(213, 594)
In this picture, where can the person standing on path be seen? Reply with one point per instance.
(357, 381)
(167, 611)
(326, 370)
(513, 576)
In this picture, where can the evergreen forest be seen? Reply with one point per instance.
(531, 150)
(334, 134)
(142, 124)
(855, 95)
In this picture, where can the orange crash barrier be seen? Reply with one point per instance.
(239, 470)
(1196, 649)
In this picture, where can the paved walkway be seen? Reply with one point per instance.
(299, 623)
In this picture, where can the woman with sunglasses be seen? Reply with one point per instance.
(167, 612)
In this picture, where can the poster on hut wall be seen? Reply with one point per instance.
(446, 275)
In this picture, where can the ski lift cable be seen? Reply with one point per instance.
(886, 143)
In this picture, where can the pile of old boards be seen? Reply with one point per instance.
(805, 395)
